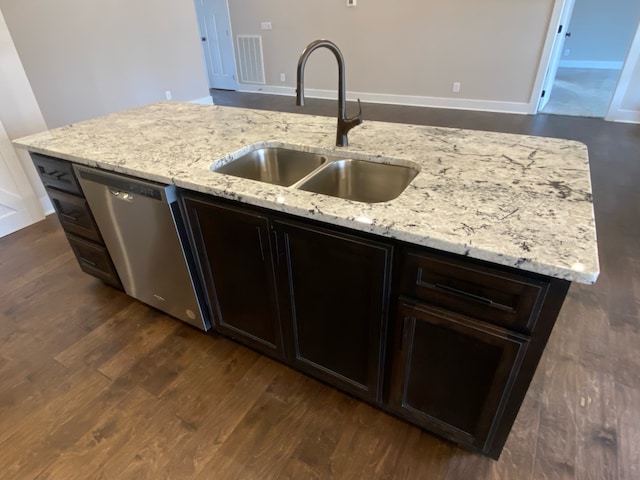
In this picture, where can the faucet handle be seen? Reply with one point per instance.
(358, 118)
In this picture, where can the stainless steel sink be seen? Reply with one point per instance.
(361, 180)
(279, 166)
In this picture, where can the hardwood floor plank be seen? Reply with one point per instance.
(266, 437)
(185, 349)
(104, 342)
(222, 419)
(628, 427)
(423, 456)
(374, 439)
(24, 390)
(144, 339)
(327, 413)
(106, 438)
(198, 390)
(597, 444)
(557, 434)
(518, 457)
(464, 465)
(41, 436)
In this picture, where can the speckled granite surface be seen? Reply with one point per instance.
(513, 200)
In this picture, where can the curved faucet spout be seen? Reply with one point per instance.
(344, 124)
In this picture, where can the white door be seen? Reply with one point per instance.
(217, 43)
(19, 206)
(556, 53)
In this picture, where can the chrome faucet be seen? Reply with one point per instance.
(344, 124)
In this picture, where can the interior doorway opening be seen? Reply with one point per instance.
(588, 54)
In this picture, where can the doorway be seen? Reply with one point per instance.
(589, 51)
(217, 43)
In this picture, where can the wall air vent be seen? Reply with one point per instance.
(250, 62)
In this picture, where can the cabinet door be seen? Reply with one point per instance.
(335, 293)
(234, 250)
(452, 374)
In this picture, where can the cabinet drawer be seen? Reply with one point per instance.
(491, 295)
(74, 214)
(56, 173)
(94, 260)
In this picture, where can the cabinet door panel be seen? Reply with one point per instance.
(337, 299)
(234, 248)
(453, 374)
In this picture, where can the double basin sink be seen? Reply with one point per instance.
(337, 176)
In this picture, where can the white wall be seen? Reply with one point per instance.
(19, 111)
(87, 58)
(601, 31)
(411, 48)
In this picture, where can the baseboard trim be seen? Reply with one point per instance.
(590, 64)
(46, 205)
(410, 100)
(204, 100)
(624, 116)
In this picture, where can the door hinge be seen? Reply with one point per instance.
(560, 29)
(543, 93)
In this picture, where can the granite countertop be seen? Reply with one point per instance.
(513, 200)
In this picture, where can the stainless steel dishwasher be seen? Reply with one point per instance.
(141, 225)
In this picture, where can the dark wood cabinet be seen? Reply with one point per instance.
(334, 291)
(234, 249)
(75, 217)
(456, 356)
(452, 374)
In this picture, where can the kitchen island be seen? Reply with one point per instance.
(475, 255)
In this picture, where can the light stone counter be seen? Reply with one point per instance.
(513, 200)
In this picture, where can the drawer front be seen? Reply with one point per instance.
(491, 295)
(74, 214)
(94, 260)
(56, 173)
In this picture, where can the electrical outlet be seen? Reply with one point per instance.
(265, 25)
(456, 87)
(167, 94)
(283, 77)
(352, 3)
(567, 52)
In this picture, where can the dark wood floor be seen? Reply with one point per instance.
(95, 385)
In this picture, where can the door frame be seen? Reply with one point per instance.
(614, 112)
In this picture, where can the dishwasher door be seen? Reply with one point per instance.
(137, 220)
